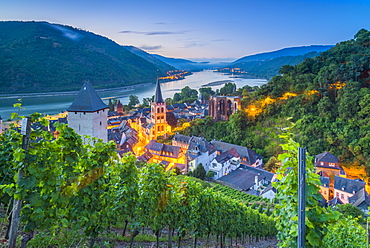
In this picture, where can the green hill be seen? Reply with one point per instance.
(39, 56)
(328, 97)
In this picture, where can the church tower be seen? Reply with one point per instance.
(158, 113)
(88, 114)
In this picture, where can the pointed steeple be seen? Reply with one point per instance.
(158, 93)
(87, 100)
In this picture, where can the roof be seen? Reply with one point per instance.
(158, 93)
(244, 152)
(358, 198)
(154, 146)
(334, 201)
(326, 157)
(240, 179)
(163, 149)
(268, 188)
(87, 100)
(344, 184)
(268, 176)
(181, 138)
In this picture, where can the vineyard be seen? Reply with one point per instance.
(82, 195)
(76, 194)
(238, 195)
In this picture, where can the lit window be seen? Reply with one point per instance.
(331, 164)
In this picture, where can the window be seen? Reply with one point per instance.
(100, 123)
(342, 196)
(331, 164)
(337, 195)
(321, 163)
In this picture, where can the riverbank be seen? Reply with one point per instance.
(65, 93)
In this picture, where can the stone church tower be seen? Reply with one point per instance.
(88, 115)
(158, 113)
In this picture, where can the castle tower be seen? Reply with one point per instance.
(88, 115)
(158, 113)
(119, 107)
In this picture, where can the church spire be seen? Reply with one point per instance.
(158, 93)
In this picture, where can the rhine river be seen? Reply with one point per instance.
(53, 104)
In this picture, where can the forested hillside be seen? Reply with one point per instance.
(326, 97)
(269, 68)
(39, 56)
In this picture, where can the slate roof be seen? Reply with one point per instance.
(158, 93)
(268, 176)
(326, 157)
(344, 184)
(163, 149)
(87, 100)
(154, 146)
(181, 138)
(240, 179)
(245, 152)
(268, 188)
(358, 198)
(334, 201)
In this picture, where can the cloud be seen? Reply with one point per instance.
(144, 47)
(194, 44)
(70, 34)
(218, 40)
(152, 33)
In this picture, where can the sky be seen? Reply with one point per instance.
(221, 30)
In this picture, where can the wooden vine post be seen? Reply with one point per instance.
(17, 204)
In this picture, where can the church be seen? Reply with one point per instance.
(150, 127)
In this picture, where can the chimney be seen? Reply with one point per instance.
(331, 187)
(256, 182)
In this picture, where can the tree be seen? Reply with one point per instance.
(111, 105)
(210, 174)
(207, 92)
(348, 210)
(146, 102)
(199, 172)
(134, 100)
(345, 233)
(228, 89)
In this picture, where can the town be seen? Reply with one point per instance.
(238, 167)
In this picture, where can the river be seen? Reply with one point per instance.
(53, 104)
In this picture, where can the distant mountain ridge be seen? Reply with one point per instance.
(150, 58)
(184, 64)
(290, 51)
(40, 57)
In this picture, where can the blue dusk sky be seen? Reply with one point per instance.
(200, 29)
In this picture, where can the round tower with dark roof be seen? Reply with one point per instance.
(158, 114)
(88, 114)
